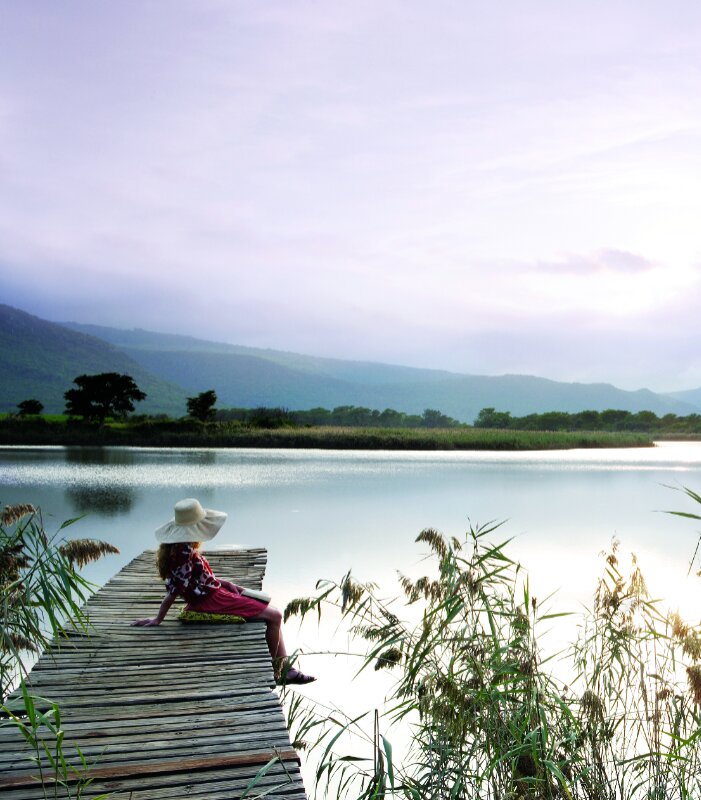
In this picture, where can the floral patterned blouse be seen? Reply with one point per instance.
(191, 576)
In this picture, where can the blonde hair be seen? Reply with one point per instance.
(165, 556)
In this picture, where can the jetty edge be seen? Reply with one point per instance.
(179, 710)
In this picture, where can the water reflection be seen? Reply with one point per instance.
(203, 457)
(321, 512)
(107, 456)
(107, 501)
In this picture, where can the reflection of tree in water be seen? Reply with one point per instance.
(104, 500)
(98, 455)
(202, 457)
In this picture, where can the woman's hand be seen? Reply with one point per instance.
(168, 601)
(232, 587)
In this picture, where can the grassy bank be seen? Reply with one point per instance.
(175, 433)
(677, 437)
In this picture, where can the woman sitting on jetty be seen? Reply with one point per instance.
(187, 574)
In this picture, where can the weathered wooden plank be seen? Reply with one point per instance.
(279, 785)
(148, 674)
(164, 753)
(173, 711)
(93, 730)
(185, 765)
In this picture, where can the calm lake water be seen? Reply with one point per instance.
(320, 513)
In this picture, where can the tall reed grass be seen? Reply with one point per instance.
(191, 433)
(41, 593)
(489, 715)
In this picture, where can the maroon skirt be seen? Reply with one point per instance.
(224, 601)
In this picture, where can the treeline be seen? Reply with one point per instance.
(341, 416)
(614, 420)
(109, 396)
(610, 420)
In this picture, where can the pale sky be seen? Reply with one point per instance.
(476, 186)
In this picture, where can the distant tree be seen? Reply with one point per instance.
(390, 418)
(264, 417)
(312, 416)
(27, 407)
(614, 419)
(202, 406)
(555, 421)
(107, 394)
(669, 420)
(644, 421)
(353, 416)
(586, 420)
(435, 419)
(490, 418)
(531, 422)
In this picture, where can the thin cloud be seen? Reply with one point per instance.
(451, 185)
(605, 260)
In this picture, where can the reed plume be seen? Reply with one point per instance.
(388, 658)
(487, 718)
(85, 551)
(694, 677)
(13, 514)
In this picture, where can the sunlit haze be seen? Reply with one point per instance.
(479, 187)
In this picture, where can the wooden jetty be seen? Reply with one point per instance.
(178, 710)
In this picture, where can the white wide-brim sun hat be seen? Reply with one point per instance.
(191, 523)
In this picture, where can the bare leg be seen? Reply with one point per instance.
(273, 631)
(276, 644)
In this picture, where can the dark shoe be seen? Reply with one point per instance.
(294, 676)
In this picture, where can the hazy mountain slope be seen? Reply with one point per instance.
(692, 396)
(525, 394)
(248, 377)
(151, 340)
(246, 381)
(365, 372)
(40, 359)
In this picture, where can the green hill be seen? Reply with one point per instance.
(40, 359)
(249, 377)
(361, 372)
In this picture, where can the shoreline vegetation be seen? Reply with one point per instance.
(487, 713)
(99, 412)
(43, 594)
(154, 432)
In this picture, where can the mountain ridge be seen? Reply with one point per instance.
(248, 376)
(141, 339)
(41, 358)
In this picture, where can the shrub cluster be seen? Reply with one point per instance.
(614, 420)
(341, 416)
